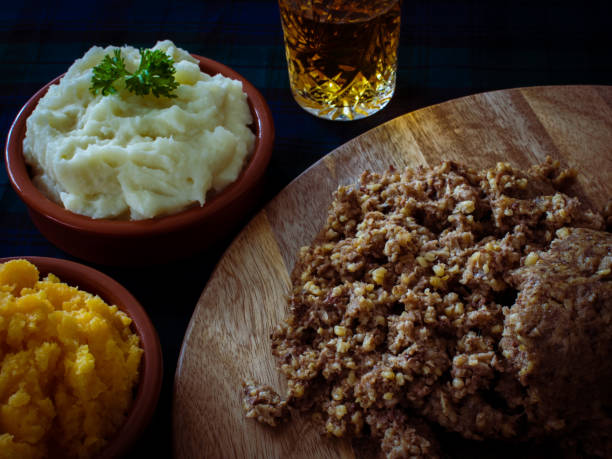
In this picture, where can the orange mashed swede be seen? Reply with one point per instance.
(68, 366)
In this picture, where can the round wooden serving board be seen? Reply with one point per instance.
(228, 337)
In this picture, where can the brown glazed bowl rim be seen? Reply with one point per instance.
(151, 370)
(262, 126)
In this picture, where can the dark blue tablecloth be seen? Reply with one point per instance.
(448, 49)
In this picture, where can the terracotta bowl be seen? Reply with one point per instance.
(156, 240)
(151, 366)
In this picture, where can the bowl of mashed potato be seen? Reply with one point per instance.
(81, 366)
(127, 178)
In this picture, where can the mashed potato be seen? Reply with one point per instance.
(135, 157)
(68, 364)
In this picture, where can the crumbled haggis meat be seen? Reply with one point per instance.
(402, 437)
(403, 309)
(263, 404)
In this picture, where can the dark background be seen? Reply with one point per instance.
(447, 50)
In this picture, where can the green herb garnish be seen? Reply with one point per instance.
(155, 74)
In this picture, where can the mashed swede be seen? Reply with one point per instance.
(68, 365)
(136, 157)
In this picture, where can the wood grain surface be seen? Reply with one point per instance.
(228, 337)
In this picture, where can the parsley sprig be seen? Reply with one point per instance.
(155, 74)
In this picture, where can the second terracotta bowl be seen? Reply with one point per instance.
(151, 367)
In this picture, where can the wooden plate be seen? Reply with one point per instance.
(228, 336)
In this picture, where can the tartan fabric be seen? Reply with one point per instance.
(447, 49)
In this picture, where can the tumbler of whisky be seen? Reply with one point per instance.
(341, 54)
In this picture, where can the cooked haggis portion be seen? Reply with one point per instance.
(476, 301)
(558, 335)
